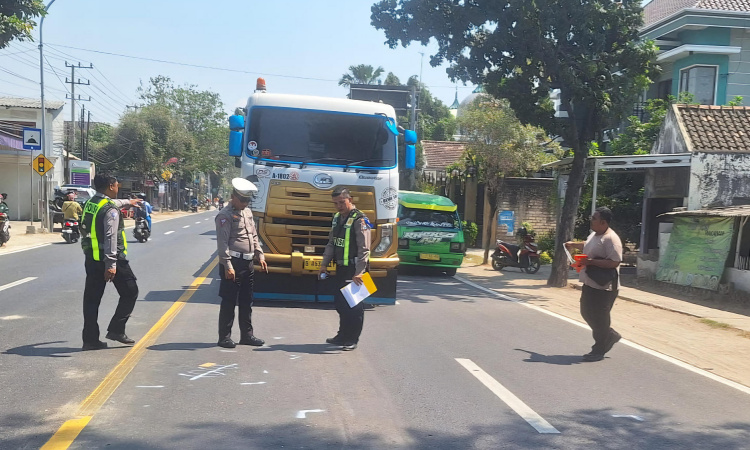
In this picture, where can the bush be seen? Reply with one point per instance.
(470, 233)
(546, 243)
(545, 258)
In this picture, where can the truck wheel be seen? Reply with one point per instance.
(450, 272)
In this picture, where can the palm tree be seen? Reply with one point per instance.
(361, 74)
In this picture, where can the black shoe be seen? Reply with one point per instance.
(252, 340)
(122, 338)
(593, 357)
(98, 345)
(349, 347)
(336, 340)
(612, 340)
(226, 343)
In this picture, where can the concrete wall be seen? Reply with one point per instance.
(738, 78)
(670, 139)
(721, 179)
(532, 200)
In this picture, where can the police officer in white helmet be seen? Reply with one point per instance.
(237, 242)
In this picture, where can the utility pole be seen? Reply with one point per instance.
(73, 83)
(85, 155)
(83, 121)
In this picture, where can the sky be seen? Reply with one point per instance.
(298, 46)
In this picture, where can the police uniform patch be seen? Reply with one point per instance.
(223, 221)
(350, 222)
(114, 213)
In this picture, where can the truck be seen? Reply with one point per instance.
(297, 149)
(430, 233)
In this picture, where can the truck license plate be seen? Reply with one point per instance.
(314, 264)
(429, 256)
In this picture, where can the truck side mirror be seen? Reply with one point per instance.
(410, 157)
(236, 132)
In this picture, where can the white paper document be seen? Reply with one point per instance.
(354, 293)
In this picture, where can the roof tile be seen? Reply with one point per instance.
(717, 129)
(440, 154)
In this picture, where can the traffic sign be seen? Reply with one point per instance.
(32, 139)
(41, 164)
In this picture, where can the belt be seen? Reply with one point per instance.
(246, 256)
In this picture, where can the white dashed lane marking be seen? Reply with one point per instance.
(16, 283)
(169, 232)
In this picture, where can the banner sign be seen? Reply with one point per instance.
(697, 251)
(506, 218)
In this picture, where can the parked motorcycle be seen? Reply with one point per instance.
(525, 257)
(141, 232)
(4, 228)
(70, 231)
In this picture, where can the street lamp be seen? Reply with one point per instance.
(45, 207)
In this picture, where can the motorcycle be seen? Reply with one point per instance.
(525, 257)
(4, 228)
(141, 232)
(70, 231)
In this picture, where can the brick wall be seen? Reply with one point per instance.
(532, 200)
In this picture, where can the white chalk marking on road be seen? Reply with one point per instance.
(24, 249)
(397, 302)
(215, 372)
(16, 283)
(257, 382)
(150, 386)
(186, 226)
(228, 351)
(265, 371)
(629, 416)
(294, 357)
(146, 406)
(198, 221)
(278, 337)
(13, 317)
(169, 232)
(663, 357)
(302, 413)
(515, 403)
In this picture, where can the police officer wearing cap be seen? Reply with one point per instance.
(349, 245)
(104, 245)
(237, 241)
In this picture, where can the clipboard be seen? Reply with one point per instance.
(354, 294)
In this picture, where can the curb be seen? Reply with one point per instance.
(630, 299)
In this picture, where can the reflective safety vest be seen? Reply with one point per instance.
(92, 228)
(344, 246)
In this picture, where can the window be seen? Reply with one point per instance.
(699, 81)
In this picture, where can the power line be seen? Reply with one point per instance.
(225, 69)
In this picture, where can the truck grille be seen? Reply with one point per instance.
(299, 216)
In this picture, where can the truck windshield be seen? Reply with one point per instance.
(320, 137)
(412, 217)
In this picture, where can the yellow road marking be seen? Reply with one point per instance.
(67, 433)
(207, 365)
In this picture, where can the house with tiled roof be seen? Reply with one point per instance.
(715, 143)
(440, 154)
(703, 48)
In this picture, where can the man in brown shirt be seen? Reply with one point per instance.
(237, 242)
(603, 249)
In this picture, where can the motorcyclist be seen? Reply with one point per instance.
(145, 210)
(71, 209)
(3, 206)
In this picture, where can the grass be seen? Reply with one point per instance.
(715, 324)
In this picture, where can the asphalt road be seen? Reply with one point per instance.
(449, 366)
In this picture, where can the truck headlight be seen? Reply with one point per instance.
(457, 247)
(403, 243)
(386, 236)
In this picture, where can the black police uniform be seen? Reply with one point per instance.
(96, 248)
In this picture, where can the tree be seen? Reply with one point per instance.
(499, 146)
(522, 50)
(391, 80)
(361, 74)
(17, 19)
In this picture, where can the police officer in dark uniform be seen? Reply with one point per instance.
(105, 248)
(349, 245)
(237, 242)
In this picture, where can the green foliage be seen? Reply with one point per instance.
(546, 243)
(736, 101)
(545, 258)
(391, 80)
(471, 230)
(17, 19)
(523, 50)
(639, 137)
(361, 74)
